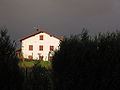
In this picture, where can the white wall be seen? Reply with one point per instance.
(34, 40)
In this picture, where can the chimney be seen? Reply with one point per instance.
(37, 29)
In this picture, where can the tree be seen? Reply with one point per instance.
(88, 63)
(10, 75)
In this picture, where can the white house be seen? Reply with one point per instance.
(39, 46)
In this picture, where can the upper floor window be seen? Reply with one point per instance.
(30, 47)
(41, 47)
(41, 37)
(51, 48)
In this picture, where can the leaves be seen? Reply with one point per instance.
(10, 76)
(88, 63)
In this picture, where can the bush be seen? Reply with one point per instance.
(38, 78)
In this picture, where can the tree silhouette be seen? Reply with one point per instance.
(10, 76)
(88, 63)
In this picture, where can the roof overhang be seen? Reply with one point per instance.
(41, 31)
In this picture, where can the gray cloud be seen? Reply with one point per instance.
(63, 17)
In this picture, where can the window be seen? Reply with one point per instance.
(41, 37)
(51, 48)
(30, 47)
(41, 47)
(30, 57)
(40, 57)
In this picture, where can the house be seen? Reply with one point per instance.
(39, 46)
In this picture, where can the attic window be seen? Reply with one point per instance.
(41, 37)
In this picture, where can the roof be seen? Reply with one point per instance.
(18, 50)
(41, 31)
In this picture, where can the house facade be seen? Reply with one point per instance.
(39, 46)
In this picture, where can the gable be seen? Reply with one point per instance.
(39, 33)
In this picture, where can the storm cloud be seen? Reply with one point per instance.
(63, 17)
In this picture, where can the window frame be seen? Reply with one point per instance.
(30, 47)
(41, 37)
(30, 57)
(51, 48)
(40, 47)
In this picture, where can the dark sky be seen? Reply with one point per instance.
(62, 17)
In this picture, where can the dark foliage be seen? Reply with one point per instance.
(10, 76)
(87, 63)
(37, 78)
